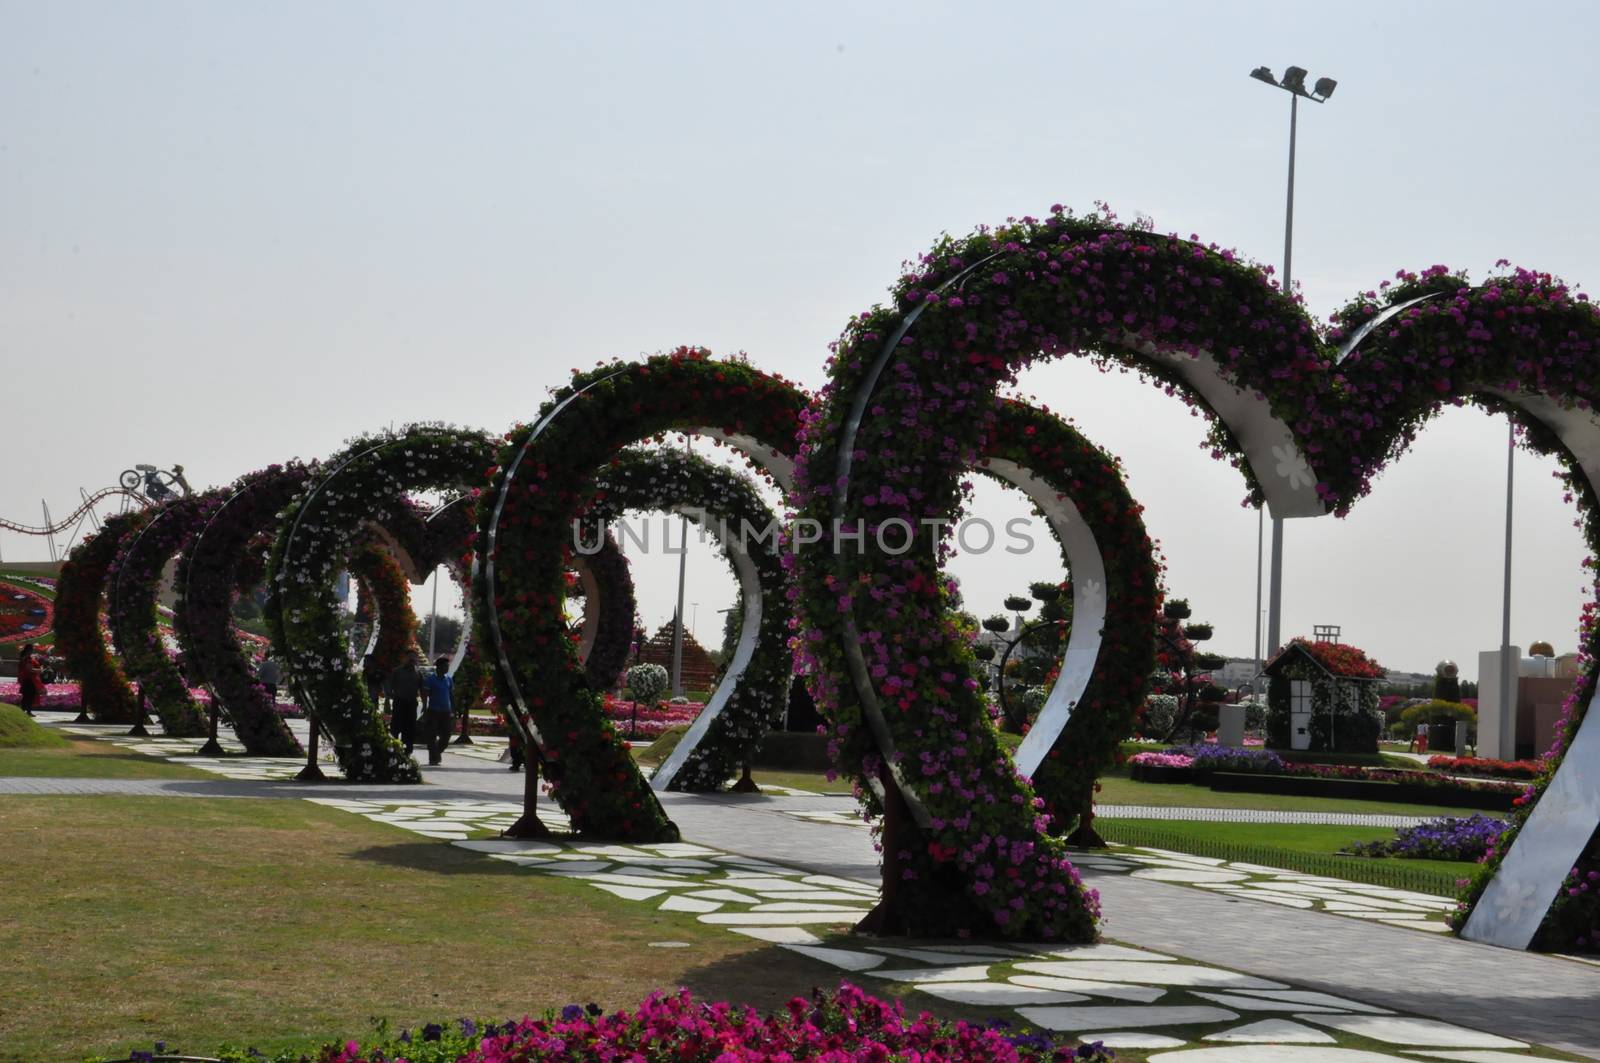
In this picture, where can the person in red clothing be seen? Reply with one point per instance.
(30, 676)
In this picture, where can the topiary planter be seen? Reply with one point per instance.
(1364, 790)
(1160, 773)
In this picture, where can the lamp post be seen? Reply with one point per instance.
(1294, 83)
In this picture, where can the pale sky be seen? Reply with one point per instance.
(231, 234)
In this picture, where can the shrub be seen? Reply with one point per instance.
(1207, 758)
(646, 682)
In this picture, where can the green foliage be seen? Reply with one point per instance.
(647, 682)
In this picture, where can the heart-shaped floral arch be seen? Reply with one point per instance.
(754, 689)
(543, 487)
(80, 636)
(544, 481)
(1306, 421)
(368, 482)
(135, 579)
(208, 574)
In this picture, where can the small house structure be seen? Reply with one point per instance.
(1323, 697)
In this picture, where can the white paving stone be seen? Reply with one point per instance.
(778, 935)
(937, 974)
(1150, 973)
(619, 880)
(1271, 1031)
(846, 959)
(814, 895)
(1278, 899)
(574, 866)
(1142, 994)
(1094, 1015)
(1244, 1003)
(688, 904)
(1180, 874)
(1319, 1000)
(1132, 1039)
(1271, 1054)
(730, 896)
(796, 906)
(627, 893)
(1095, 952)
(777, 918)
(1406, 1030)
(945, 956)
(996, 994)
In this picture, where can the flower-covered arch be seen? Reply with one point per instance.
(209, 572)
(368, 481)
(1524, 344)
(898, 421)
(754, 688)
(382, 582)
(1298, 415)
(80, 636)
(1115, 585)
(135, 585)
(609, 608)
(546, 478)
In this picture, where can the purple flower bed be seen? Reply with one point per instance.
(1206, 757)
(838, 1027)
(1449, 838)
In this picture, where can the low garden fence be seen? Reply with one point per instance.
(1372, 871)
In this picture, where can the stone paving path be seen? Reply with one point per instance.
(1369, 966)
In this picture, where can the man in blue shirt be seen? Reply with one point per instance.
(438, 708)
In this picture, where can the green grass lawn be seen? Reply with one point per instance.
(1308, 839)
(88, 759)
(266, 922)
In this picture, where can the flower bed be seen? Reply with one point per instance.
(25, 615)
(1438, 839)
(1161, 768)
(1486, 766)
(652, 722)
(58, 697)
(835, 1027)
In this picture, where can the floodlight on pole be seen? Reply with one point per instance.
(1294, 83)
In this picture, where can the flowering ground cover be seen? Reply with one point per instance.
(1458, 838)
(27, 614)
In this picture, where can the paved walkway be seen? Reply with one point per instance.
(1542, 999)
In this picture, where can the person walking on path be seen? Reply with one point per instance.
(30, 677)
(403, 687)
(269, 675)
(438, 709)
(1422, 737)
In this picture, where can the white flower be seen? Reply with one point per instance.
(1292, 467)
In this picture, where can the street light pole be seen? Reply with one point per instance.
(1294, 83)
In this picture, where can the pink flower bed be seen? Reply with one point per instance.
(1161, 760)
